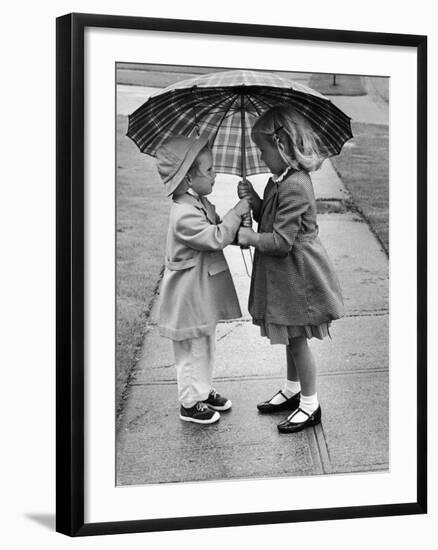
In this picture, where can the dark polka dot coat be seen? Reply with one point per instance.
(293, 280)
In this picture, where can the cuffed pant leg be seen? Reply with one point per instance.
(210, 354)
(194, 360)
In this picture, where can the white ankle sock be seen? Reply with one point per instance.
(289, 389)
(309, 404)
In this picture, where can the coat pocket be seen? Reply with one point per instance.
(217, 267)
(180, 265)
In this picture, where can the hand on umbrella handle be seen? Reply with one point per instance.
(245, 189)
(245, 194)
(247, 220)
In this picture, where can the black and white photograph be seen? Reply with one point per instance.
(252, 279)
(240, 257)
(218, 275)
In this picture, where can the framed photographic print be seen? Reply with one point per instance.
(213, 369)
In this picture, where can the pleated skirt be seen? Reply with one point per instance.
(281, 334)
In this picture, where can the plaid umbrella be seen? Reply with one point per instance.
(225, 105)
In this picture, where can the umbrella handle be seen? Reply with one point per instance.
(246, 218)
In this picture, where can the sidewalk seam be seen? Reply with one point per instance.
(323, 449)
(240, 320)
(170, 381)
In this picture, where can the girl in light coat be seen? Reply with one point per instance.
(295, 293)
(197, 289)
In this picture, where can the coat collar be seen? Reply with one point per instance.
(284, 175)
(186, 198)
(275, 182)
(201, 203)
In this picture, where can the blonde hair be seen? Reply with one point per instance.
(293, 136)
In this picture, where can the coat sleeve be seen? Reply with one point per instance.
(293, 201)
(194, 230)
(211, 206)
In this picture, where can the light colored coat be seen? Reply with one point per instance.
(293, 281)
(197, 289)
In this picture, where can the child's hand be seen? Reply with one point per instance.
(246, 236)
(245, 189)
(242, 207)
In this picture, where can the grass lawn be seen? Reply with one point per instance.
(363, 166)
(142, 215)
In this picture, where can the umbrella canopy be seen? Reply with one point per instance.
(225, 106)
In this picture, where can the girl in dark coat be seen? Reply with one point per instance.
(295, 293)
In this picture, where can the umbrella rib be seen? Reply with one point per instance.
(198, 106)
(201, 102)
(262, 100)
(253, 104)
(227, 107)
(224, 116)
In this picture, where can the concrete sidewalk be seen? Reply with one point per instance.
(154, 446)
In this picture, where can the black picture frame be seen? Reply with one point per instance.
(70, 273)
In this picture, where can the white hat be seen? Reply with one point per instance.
(175, 157)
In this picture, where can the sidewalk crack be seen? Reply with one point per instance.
(323, 449)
